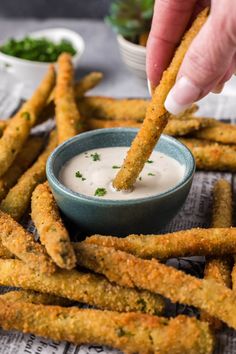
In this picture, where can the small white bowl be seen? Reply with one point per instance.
(134, 56)
(31, 72)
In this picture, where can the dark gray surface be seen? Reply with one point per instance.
(54, 8)
(101, 53)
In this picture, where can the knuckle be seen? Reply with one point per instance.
(203, 65)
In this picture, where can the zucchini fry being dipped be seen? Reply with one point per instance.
(156, 117)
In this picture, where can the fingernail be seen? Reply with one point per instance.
(182, 95)
(218, 88)
(150, 87)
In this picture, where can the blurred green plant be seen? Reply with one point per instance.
(131, 18)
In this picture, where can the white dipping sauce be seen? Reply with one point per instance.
(92, 172)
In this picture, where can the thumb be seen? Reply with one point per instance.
(206, 62)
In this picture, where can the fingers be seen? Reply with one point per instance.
(210, 60)
(170, 20)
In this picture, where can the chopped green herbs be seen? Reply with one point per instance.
(100, 192)
(79, 175)
(25, 115)
(37, 49)
(140, 178)
(151, 174)
(95, 156)
(114, 166)
(149, 161)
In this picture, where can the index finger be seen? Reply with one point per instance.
(170, 20)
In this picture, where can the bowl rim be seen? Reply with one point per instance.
(39, 63)
(52, 179)
(132, 46)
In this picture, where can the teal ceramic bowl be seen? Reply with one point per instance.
(118, 217)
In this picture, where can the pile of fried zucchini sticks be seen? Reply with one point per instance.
(124, 280)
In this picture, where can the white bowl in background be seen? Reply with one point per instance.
(31, 72)
(134, 56)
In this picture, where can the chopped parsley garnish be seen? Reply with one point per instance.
(100, 192)
(114, 166)
(37, 49)
(140, 178)
(151, 174)
(149, 161)
(79, 175)
(95, 156)
(25, 115)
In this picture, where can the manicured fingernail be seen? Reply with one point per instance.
(182, 95)
(150, 87)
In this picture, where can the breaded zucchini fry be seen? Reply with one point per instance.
(220, 132)
(175, 127)
(4, 252)
(121, 109)
(22, 161)
(212, 156)
(18, 129)
(3, 125)
(18, 198)
(193, 242)
(22, 296)
(94, 123)
(88, 82)
(67, 113)
(219, 269)
(180, 127)
(156, 117)
(113, 109)
(87, 288)
(52, 232)
(128, 270)
(222, 204)
(21, 243)
(129, 332)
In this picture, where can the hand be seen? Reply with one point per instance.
(211, 58)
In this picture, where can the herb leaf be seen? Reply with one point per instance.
(78, 174)
(100, 192)
(149, 161)
(151, 174)
(95, 156)
(114, 166)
